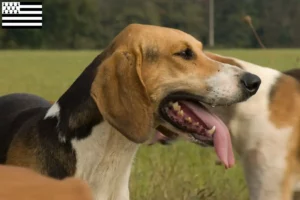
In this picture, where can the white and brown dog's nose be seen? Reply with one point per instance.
(250, 83)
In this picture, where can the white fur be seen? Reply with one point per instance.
(104, 160)
(53, 111)
(225, 84)
(262, 147)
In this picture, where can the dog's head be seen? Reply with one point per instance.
(156, 77)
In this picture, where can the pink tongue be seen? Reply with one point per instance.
(222, 140)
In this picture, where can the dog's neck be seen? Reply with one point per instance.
(104, 160)
(75, 111)
(103, 155)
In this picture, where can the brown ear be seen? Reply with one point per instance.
(222, 59)
(121, 96)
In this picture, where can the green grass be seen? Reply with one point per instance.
(178, 172)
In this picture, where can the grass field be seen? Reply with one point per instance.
(178, 172)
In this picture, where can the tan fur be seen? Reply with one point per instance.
(131, 115)
(20, 155)
(284, 112)
(31, 155)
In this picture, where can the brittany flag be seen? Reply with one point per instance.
(22, 15)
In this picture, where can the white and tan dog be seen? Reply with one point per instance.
(265, 131)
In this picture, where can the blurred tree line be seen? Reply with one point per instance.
(90, 24)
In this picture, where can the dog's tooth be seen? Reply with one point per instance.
(188, 119)
(211, 131)
(196, 123)
(180, 113)
(176, 106)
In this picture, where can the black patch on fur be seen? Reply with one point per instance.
(152, 54)
(296, 195)
(294, 73)
(78, 114)
(59, 158)
(78, 111)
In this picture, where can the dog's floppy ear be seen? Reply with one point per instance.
(121, 96)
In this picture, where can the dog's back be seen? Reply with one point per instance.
(11, 107)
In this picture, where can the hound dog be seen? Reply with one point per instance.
(93, 130)
(265, 131)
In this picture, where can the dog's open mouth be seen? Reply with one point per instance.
(198, 125)
(180, 115)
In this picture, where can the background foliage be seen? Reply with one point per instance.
(91, 24)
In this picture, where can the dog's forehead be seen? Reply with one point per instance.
(156, 31)
(156, 35)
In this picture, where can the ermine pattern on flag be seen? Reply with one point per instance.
(22, 15)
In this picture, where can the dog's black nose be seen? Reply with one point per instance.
(251, 83)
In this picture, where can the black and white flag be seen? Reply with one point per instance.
(22, 15)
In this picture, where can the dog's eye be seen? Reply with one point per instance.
(187, 54)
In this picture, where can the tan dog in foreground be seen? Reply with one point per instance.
(18, 183)
(265, 131)
(93, 130)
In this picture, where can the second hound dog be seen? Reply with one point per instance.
(265, 131)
